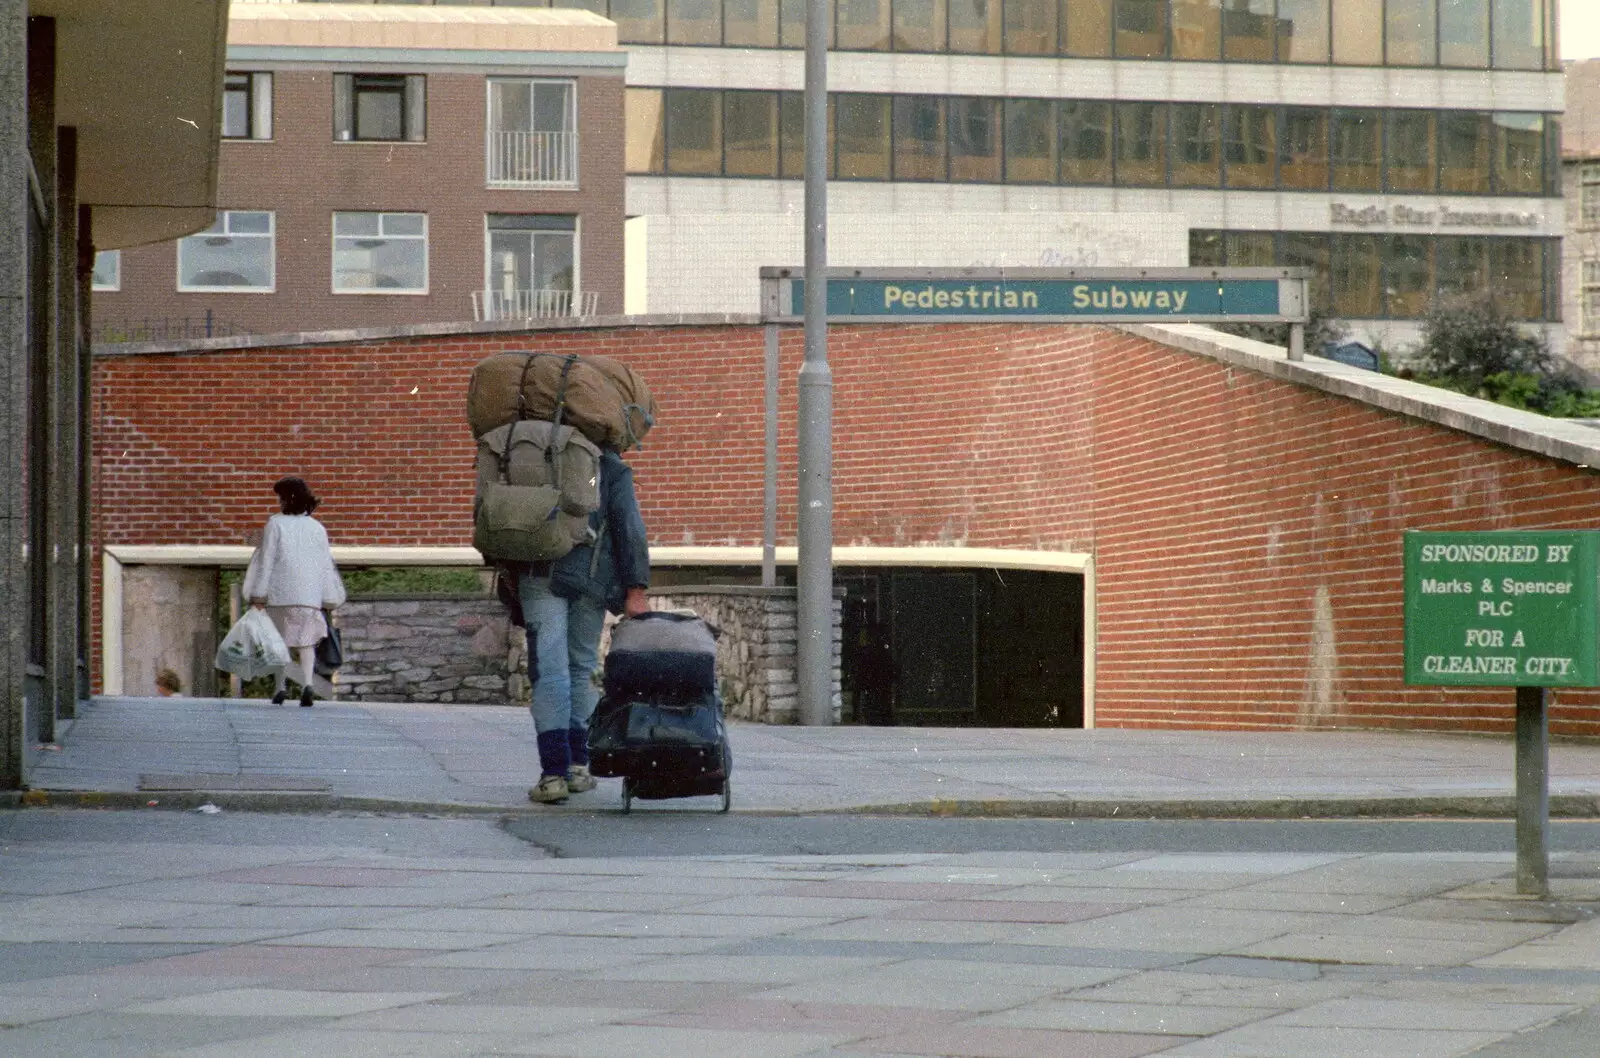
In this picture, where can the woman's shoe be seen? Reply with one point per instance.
(305, 698)
(280, 697)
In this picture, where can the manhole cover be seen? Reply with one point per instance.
(234, 783)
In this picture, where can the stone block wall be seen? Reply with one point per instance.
(756, 652)
(463, 649)
(439, 648)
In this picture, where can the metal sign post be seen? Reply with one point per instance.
(953, 295)
(1508, 609)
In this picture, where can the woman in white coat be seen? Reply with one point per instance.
(293, 578)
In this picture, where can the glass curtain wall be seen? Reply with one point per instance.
(1462, 34)
(967, 139)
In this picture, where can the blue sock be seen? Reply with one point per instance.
(578, 744)
(555, 753)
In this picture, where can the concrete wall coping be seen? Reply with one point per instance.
(1525, 430)
(356, 335)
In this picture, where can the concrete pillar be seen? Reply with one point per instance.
(14, 205)
(84, 377)
(65, 567)
(43, 503)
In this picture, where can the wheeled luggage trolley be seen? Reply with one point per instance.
(660, 725)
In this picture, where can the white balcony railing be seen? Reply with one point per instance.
(532, 304)
(533, 159)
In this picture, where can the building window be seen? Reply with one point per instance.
(861, 139)
(1589, 297)
(1196, 29)
(532, 132)
(919, 25)
(974, 26)
(1408, 275)
(1304, 148)
(1358, 32)
(1410, 28)
(863, 25)
(1141, 29)
(1031, 27)
(1303, 31)
(1085, 142)
(1251, 146)
(1030, 141)
(1589, 195)
(694, 131)
(107, 271)
(750, 123)
(1196, 135)
(380, 253)
(1519, 154)
(974, 140)
(694, 22)
(531, 266)
(1464, 33)
(747, 23)
(380, 106)
(1087, 28)
(1413, 164)
(1464, 152)
(1519, 34)
(639, 21)
(1142, 144)
(919, 138)
(1247, 28)
(247, 106)
(235, 254)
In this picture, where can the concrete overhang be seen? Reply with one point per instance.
(141, 81)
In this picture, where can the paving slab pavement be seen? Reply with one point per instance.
(251, 754)
(126, 934)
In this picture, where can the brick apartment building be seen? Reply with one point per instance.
(387, 165)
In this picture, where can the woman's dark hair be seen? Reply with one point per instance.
(295, 495)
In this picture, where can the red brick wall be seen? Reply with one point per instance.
(304, 176)
(1245, 530)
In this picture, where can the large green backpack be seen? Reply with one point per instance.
(538, 482)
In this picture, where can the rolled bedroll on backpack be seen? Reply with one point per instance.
(606, 400)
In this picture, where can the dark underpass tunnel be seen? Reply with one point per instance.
(962, 647)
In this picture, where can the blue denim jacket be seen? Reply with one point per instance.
(620, 557)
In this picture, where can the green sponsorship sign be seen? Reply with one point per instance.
(1142, 298)
(1502, 609)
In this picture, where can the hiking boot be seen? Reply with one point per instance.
(552, 790)
(578, 779)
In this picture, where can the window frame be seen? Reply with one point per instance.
(533, 223)
(1589, 288)
(382, 215)
(413, 93)
(1589, 194)
(224, 217)
(257, 89)
(114, 256)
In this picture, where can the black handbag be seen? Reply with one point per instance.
(330, 649)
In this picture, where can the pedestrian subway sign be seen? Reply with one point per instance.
(1502, 609)
(1044, 295)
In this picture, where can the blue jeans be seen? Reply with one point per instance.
(563, 645)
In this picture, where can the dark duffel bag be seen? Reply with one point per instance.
(667, 747)
(661, 653)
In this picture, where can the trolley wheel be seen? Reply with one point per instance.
(727, 796)
(627, 796)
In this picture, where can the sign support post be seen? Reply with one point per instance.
(814, 573)
(1533, 793)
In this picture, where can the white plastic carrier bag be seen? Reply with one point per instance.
(252, 647)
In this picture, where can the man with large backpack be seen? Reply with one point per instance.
(564, 604)
(555, 512)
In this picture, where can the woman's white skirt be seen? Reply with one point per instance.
(300, 626)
